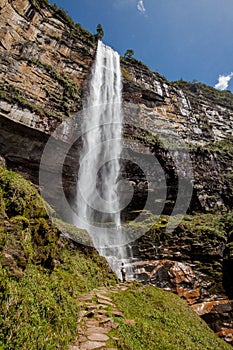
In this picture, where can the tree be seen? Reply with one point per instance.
(100, 32)
(129, 53)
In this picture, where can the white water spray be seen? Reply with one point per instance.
(98, 202)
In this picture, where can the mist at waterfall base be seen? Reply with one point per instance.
(98, 203)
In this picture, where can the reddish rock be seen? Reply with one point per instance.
(207, 306)
(191, 296)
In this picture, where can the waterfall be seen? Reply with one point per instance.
(98, 202)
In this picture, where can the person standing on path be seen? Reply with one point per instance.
(123, 272)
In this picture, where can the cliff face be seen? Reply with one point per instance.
(195, 120)
(46, 63)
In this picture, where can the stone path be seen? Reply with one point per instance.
(96, 319)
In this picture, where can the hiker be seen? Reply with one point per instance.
(123, 272)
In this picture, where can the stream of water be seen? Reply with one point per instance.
(98, 200)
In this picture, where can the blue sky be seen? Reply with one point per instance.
(189, 39)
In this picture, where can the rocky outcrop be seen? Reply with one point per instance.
(219, 315)
(193, 286)
(193, 261)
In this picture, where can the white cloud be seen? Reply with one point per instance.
(223, 81)
(141, 7)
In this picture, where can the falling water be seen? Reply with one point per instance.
(98, 202)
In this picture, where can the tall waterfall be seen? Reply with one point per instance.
(98, 202)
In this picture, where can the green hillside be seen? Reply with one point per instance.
(42, 276)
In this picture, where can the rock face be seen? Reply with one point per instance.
(175, 134)
(46, 62)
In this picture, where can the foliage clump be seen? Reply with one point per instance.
(99, 32)
(129, 53)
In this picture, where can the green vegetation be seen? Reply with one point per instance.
(126, 75)
(40, 278)
(83, 34)
(144, 137)
(70, 88)
(221, 147)
(198, 228)
(194, 89)
(193, 229)
(74, 233)
(76, 30)
(135, 62)
(227, 225)
(99, 32)
(161, 321)
(129, 53)
(204, 230)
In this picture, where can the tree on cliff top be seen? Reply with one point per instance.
(129, 53)
(100, 32)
